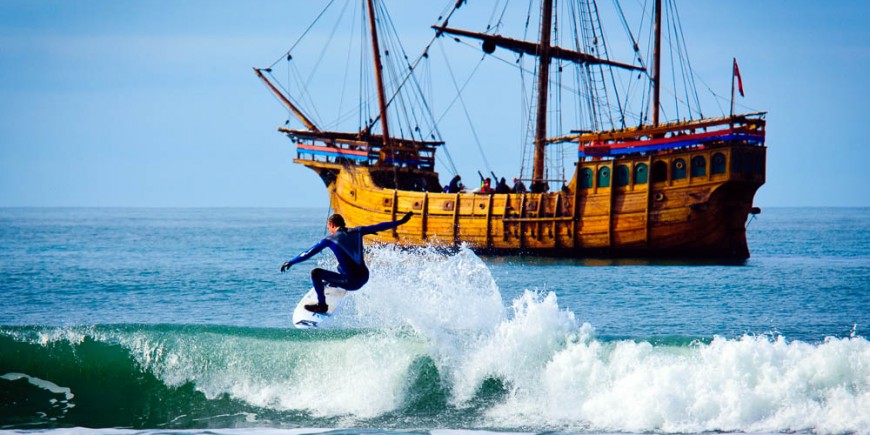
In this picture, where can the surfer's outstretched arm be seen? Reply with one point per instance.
(312, 251)
(376, 228)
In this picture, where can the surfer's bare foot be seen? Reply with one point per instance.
(317, 308)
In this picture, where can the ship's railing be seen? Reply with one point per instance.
(743, 129)
(338, 147)
(596, 149)
(331, 152)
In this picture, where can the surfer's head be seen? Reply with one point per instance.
(335, 223)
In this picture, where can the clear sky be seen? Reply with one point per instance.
(154, 103)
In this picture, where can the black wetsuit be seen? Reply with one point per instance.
(347, 245)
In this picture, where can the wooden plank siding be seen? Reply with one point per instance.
(669, 214)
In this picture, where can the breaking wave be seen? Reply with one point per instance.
(430, 343)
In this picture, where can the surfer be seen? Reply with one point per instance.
(347, 245)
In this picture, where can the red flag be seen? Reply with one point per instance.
(739, 80)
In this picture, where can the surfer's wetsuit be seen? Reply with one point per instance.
(347, 245)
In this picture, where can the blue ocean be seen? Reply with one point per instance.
(178, 320)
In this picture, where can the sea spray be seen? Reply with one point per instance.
(427, 289)
(517, 348)
(556, 378)
(746, 384)
(358, 374)
(430, 343)
(558, 375)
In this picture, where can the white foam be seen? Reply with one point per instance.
(750, 384)
(63, 405)
(558, 375)
(517, 349)
(361, 375)
(427, 290)
(42, 383)
(215, 431)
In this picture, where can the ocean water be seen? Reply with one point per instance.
(178, 320)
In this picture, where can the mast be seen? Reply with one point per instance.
(543, 89)
(546, 52)
(657, 63)
(304, 119)
(382, 102)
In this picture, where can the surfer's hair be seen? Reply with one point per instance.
(337, 221)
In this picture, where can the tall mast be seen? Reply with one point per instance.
(657, 62)
(382, 101)
(546, 53)
(543, 90)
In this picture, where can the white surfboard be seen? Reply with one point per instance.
(304, 319)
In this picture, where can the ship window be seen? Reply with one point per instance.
(604, 177)
(699, 166)
(718, 164)
(622, 176)
(736, 161)
(586, 181)
(659, 171)
(641, 174)
(679, 169)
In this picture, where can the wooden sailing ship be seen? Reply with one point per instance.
(682, 188)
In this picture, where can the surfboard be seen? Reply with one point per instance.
(304, 319)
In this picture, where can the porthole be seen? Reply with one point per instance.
(679, 170)
(641, 174)
(586, 178)
(604, 177)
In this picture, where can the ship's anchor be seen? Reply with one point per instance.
(754, 211)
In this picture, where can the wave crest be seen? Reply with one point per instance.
(430, 343)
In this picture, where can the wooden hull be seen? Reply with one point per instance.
(690, 203)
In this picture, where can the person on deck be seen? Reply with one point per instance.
(486, 186)
(502, 187)
(519, 186)
(455, 185)
(540, 187)
(347, 245)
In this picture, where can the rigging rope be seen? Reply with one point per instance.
(691, 75)
(526, 127)
(303, 90)
(364, 105)
(464, 108)
(287, 53)
(339, 118)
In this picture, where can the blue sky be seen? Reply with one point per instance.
(153, 103)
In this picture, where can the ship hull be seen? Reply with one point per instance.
(692, 203)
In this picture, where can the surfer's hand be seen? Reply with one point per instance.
(407, 216)
(285, 267)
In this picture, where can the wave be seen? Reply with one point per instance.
(421, 350)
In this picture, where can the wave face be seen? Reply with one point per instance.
(430, 343)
